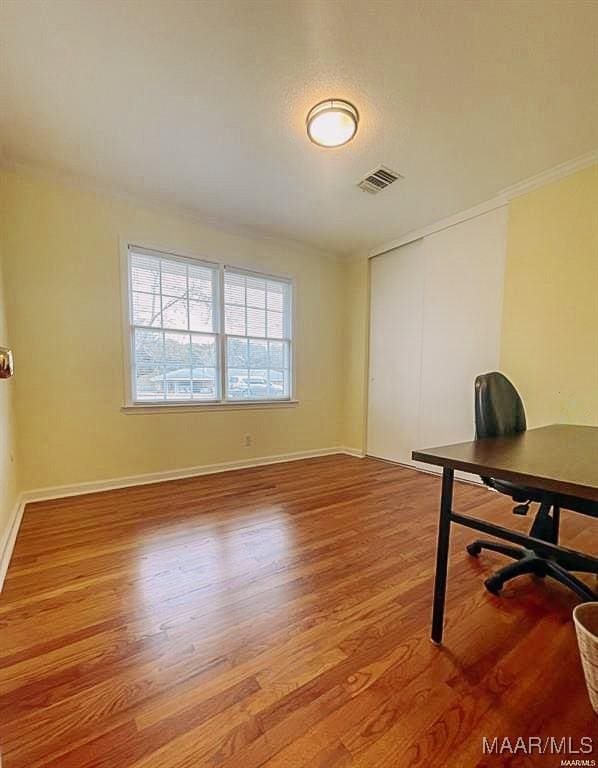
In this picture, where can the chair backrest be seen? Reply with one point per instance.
(499, 409)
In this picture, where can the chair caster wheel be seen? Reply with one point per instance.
(521, 509)
(493, 585)
(474, 549)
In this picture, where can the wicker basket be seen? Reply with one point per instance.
(586, 626)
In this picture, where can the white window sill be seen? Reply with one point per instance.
(186, 407)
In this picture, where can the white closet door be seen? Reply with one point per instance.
(397, 280)
(436, 313)
(464, 281)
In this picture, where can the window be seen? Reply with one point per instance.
(201, 332)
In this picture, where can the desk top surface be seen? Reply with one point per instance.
(561, 457)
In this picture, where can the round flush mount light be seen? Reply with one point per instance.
(332, 123)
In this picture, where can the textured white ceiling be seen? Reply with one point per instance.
(203, 104)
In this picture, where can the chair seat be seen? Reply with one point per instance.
(522, 494)
(499, 412)
(519, 493)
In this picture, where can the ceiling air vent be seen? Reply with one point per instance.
(378, 179)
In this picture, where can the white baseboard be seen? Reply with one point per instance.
(7, 543)
(356, 452)
(465, 477)
(61, 491)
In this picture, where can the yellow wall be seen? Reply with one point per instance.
(355, 345)
(62, 273)
(62, 282)
(549, 335)
(550, 323)
(9, 485)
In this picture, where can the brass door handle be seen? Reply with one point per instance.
(6, 363)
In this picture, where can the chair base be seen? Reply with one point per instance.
(527, 561)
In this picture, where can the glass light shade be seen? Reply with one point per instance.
(332, 123)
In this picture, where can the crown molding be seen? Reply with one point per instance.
(501, 199)
(552, 174)
(161, 203)
(438, 226)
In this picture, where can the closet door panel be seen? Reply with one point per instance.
(464, 277)
(395, 353)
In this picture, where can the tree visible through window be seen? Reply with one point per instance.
(202, 332)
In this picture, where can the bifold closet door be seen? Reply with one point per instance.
(396, 324)
(436, 312)
(464, 281)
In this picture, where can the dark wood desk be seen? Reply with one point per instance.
(560, 458)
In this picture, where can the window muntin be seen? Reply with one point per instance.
(257, 323)
(203, 332)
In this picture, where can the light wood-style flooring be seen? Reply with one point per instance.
(278, 617)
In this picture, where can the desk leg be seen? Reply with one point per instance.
(444, 528)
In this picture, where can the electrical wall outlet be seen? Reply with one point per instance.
(247, 441)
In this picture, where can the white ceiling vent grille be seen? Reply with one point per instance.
(378, 179)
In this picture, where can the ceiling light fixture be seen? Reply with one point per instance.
(332, 123)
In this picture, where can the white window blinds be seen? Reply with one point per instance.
(257, 323)
(201, 332)
(174, 322)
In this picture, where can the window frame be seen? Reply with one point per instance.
(128, 335)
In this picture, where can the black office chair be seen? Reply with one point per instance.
(499, 412)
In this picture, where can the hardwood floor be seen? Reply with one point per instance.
(277, 616)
